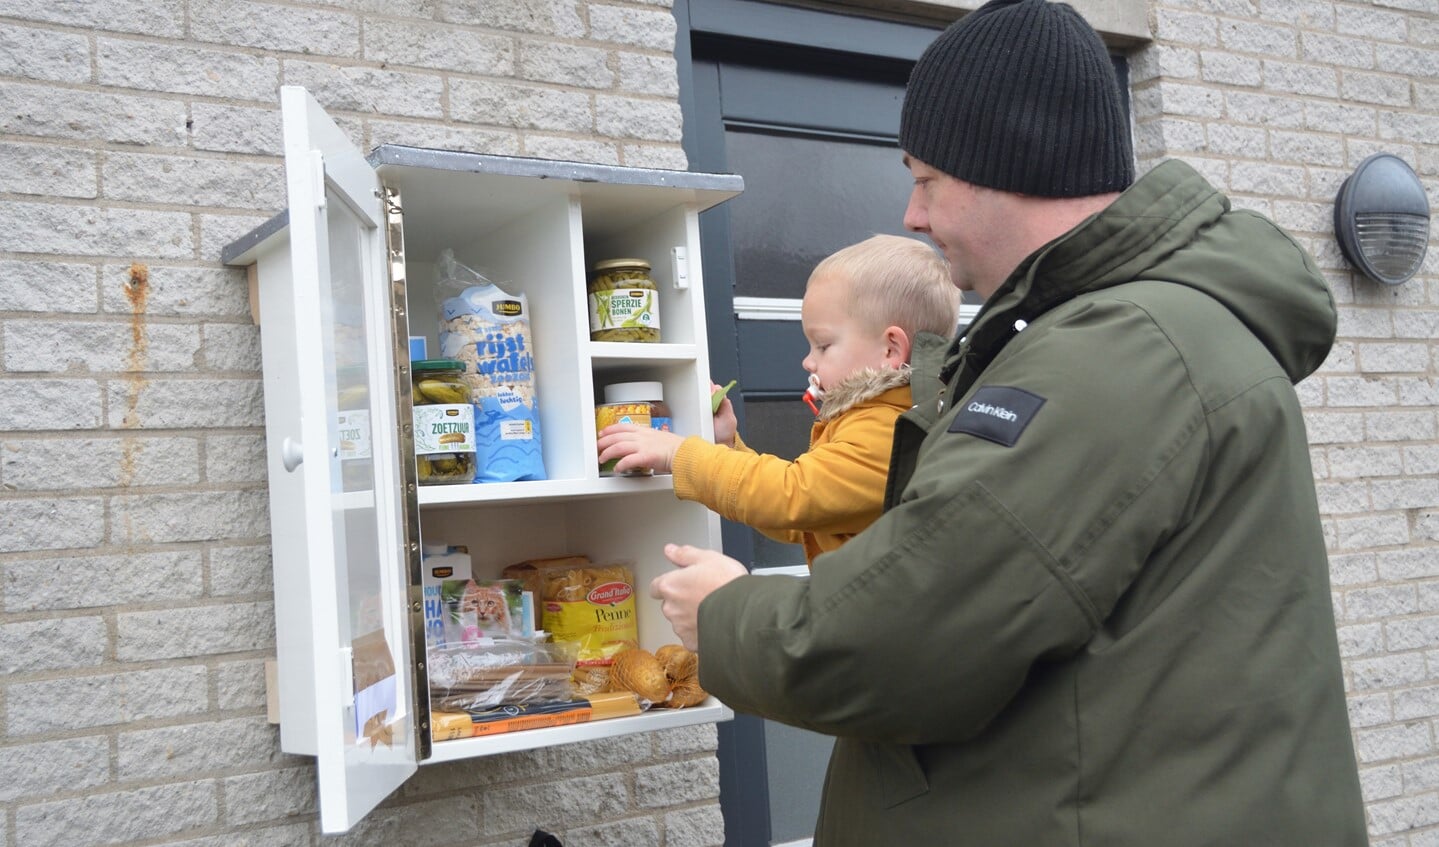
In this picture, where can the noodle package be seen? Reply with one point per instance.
(488, 329)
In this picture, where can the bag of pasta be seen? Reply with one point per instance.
(594, 608)
(488, 329)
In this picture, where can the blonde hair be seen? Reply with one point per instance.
(896, 281)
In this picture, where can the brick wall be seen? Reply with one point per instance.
(1277, 108)
(137, 138)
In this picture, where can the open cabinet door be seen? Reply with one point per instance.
(346, 451)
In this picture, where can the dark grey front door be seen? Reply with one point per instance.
(805, 106)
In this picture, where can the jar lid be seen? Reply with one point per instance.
(437, 365)
(635, 392)
(615, 264)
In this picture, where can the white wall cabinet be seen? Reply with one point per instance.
(342, 277)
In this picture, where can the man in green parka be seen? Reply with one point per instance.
(1096, 611)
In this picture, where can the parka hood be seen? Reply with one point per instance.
(1239, 258)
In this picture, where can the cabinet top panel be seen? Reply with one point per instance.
(726, 185)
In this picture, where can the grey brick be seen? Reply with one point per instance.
(1371, 23)
(1196, 101)
(1392, 742)
(1422, 459)
(673, 783)
(1402, 815)
(1405, 493)
(1360, 391)
(206, 291)
(1305, 14)
(1267, 178)
(1418, 391)
(626, 117)
(1352, 568)
(236, 129)
(1329, 49)
(452, 820)
(185, 403)
(196, 631)
(443, 47)
(1416, 703)
(83, 702)
(642, 73)
(1382, 602)
(1258, 38)
(1387, 671)
(182, 181)
(1399, 426)
(1343, 498)
(50, 583)
(1370, 710)
(520, 106)
(698, 738)
(90, 231)
(1231, 69)
(1414, 563)
(1229, 140)
(151, 17)
(50, 767)
(1427, 525)
(654, 29)
(45, 169)
(1408, 61)
(273, 27)
(1308, 149)
(1264, 109)
(1381, 782)
(1356, 462)
(193, 516)
(1333, 427)
(51, 524)
(1394, 358)
(559, 18)
(633, 832)
(1376, 88)
(699, 827)
(80, 465)
(369, 90)
(94, 347)
(43, 54)
(1363, 640)
(1340, 117)
(53, 644)
(669, 157)
(232, 347)
(1176, 27)
(564, 803)
(52, 112)
(565, 64)
(238, 458)
(1163, 60)
(240, 685)
(188, 750)
(148, 66)
(240, 570)
(270, 795)
(441, 137)
(139, 815)
(49, 287)
(289, 835)
(1421, 776)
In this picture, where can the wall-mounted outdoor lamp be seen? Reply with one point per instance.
(1381, 218)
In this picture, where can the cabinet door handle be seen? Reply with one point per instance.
(292, 453)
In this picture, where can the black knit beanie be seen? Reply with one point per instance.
(1020, 95)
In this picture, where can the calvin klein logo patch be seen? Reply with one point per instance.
(997, 413)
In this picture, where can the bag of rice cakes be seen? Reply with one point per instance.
(488, 329)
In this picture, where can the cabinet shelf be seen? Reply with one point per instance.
(710, 711)
(515, 493)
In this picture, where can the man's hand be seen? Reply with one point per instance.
(681, 591)
(638, 447)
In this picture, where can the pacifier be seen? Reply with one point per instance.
(813, 394)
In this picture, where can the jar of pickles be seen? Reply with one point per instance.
(624, 302)
(444, 422)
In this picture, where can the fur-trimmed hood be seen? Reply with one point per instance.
(862, 385)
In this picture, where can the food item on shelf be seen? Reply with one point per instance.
(624, 301)
(652, 393)
(499, 672)
(444, 423)
(613, 413)
(439, 563)
(682, 669)
(591, 606)
(488, 330)
(445, 726)
(639, 671)
(495, 608)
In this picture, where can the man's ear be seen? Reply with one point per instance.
(897, 345)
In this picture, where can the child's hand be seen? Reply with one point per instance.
(726, 424)
(638, 447)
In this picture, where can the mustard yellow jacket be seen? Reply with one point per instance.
(825, 496)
